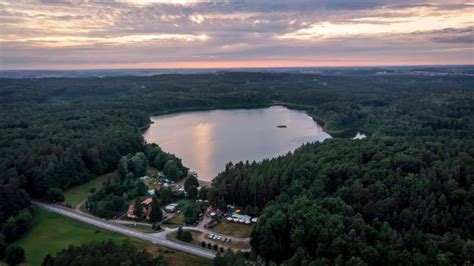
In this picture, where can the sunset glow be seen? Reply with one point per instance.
(210, 34)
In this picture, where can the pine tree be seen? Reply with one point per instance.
(156, 214)
(138, 208)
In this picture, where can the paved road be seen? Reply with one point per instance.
(156, 238)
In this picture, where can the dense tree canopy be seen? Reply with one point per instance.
(64, 131)
(373, 199)
(381, 200)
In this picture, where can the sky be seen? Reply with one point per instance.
(62, 34)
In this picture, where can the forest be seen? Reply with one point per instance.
(403, 194)
(379, 201)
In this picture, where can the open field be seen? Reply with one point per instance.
(152, 183)
(233, 229)
(176, 221)
(51, 232)
(196, 236)
(77, 194)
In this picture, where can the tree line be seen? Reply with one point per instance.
(103, 253)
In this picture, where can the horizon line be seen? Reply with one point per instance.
(237, 67)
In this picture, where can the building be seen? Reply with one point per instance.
(146, 208)
(130, 212)
(182, 191)
(171, 207)
(241, 218)
(216, 214)
(151, 192)
(144, 178)
(161, 175)
(147, 202)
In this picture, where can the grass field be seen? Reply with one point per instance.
(52, 232)
(152, 183)
(176, 221)
(196, 236)
(233, 229)
(77, 194)
(141, 227)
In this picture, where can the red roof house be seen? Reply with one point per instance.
(130, 211)
(147, 202)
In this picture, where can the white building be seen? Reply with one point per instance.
(242, 218)
(171, 207)
(144, 178)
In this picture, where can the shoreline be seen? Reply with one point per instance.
(348, 133)
(342, 133)
(204, 183)
(197, 109)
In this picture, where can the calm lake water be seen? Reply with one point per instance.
(207, 140)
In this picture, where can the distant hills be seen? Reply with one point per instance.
(418, 70)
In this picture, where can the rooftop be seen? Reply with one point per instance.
(147, 201)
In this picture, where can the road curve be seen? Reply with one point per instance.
(155, 238)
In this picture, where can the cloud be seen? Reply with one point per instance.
(56, 33)
(453, 35)
(408, 20)
(67, 41)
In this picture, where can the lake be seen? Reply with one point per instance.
(207, 140)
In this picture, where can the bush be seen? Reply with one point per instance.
(185, 236)
(230, 258)
(156, 226)
(215, 247)
(16, 225)
(14, 254)
(179, 234)
(203, 244)
(92, 190)
(103, 253)
(55, 195)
